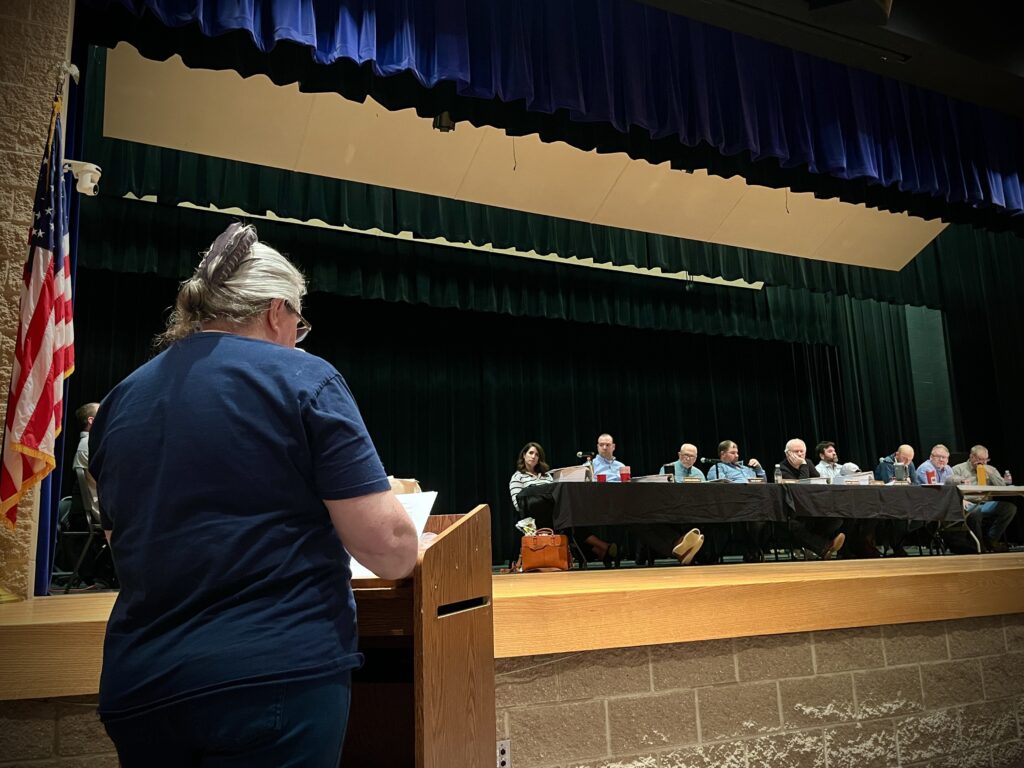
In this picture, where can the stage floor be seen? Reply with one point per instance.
(537, 613)
(541, 613)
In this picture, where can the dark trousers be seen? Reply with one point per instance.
(814, 533)
(272, 725)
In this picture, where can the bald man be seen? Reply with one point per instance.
(896, 532)
(886, 469)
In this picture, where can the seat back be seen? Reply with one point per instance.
(89, 498)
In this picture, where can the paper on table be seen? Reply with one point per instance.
(418, 505)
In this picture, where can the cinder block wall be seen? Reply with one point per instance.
(54, 733)
(936, 695)
(34, 39)
(941, 695)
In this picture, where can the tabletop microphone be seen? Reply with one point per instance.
(584, 455)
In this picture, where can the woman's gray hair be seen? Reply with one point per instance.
(236, 281)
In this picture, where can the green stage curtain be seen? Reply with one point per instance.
(458, 357)
(176, 177)
(131, 236)
(982, 275)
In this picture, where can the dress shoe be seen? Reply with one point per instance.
(611, 558)
(833, 546)
(688, 546)
(995, 546)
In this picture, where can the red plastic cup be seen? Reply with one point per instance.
(930, 475)
(624, 475)
(602, 478)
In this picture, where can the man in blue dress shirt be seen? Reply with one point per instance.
(684, 469)
(605, 463)
(728, 466)
(938, 462)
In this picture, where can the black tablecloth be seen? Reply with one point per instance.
(570, 505)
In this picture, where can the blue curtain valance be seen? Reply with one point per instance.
(615, 75)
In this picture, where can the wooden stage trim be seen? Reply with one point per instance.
(53, 646)
(539, 613)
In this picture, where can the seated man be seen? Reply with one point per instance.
(605, 462)
(886, 469)
(795, 465)
(897, 531)
(828, 460)
(662, 539)
(938, 462)
(683, 468)
(83, 498)
(988, 519)
(818, 534)
(728, 467)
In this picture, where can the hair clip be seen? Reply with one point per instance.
(227, 251)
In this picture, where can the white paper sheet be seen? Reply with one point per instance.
(418, 505)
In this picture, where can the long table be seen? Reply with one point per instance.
(570, 505)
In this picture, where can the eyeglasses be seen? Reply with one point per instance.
(303, 328)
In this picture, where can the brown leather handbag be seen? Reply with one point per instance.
(545, 551)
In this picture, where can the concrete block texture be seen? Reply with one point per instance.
(947, 683)
(774, 656)
(57, 733)
(885, 692)
(652, 722)
(27, 729)
(34, 38)
(730, 711)
(976, 637)
(881, 697)
(817, 700)
(1013, 628)
(803, 749)
(913, 643)
(689, 665)
(862, 745)
(1003, 675)
(711, 756)
(556, 734)
(844, 649)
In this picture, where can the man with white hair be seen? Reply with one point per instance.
(818, 534)
(796, 466)
(683, 468)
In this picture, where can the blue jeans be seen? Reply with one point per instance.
(990, 518)
(270, 725)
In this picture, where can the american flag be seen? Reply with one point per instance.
(44, 353)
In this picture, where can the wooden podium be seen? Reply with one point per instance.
(425, 696)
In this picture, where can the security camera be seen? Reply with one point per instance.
(87, 175)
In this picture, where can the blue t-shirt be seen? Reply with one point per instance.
(212, 461)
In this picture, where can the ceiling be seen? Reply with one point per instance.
(251, 120)
(971, 51)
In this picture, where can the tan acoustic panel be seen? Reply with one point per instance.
(781, 221)
(391, 149)
(660, 200)
(252, 120)
(525, 174)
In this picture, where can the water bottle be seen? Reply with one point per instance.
(778, 473)
(1007, 477)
